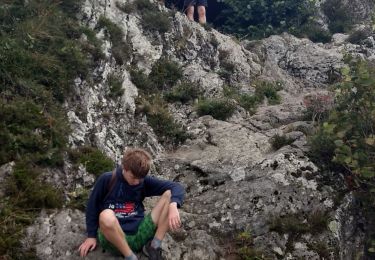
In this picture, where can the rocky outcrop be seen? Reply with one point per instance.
(234, 179)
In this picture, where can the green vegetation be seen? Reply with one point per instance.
(245, 247)
(169, 132)
(25, 195)
(257, 19)
(121, 50)
(183, 93)
(338, 13)
(164, 75)
(220, 109)
(79, 199)
(357, 36)
(95, 161)
(295, 225)
(279, 141)
(345, 142)
(42, 51)
(250, 102)
(151, 18)
(115, 86)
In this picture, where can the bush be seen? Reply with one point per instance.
(346, 141)
(318, 106)
(165, 73)
(121, 50)
(256, 19)
(155, 21)
(169, 132)
(357, 36)
(268, 90)
(249, 102)
(183, 93)
(141, 80)
(340, 18)
(115, 86)
(220, 109)
(95, 161)
(279, 141)
(314, 32)
(25, 196)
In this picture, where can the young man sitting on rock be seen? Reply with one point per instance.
(201, 5)
(115, 211)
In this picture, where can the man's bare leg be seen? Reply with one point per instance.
(111, 229)
(202, 14)
(190, 12)
(159, 215)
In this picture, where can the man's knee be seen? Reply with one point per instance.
(107, 219)
(167, 195)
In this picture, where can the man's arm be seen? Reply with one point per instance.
(92, 214)
(156, 187)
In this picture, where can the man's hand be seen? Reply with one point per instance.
(174, 217)
(88, 245)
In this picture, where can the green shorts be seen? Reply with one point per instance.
(146, 231)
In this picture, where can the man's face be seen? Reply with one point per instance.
(129, 177)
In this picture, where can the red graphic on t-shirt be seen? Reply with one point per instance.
(127, 207)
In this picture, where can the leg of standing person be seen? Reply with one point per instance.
(189, 8)
(202, 14)
(202, 5)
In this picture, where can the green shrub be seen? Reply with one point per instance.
(79, 199)
(126, 7)
(279, 141)
(257, 19)
(245, 247)
(357, 36)
(141, 80)
(314, 32)
(220, 109)
(121, 49)
(340, 18)
(249, 102)
(268, 90)
(32, 132)
(95, 161)
(346, 141)
(115, 86)
(169, 132)
(183, 93)
(165, 73)
(151, 18)
(25, 195)
(155, 21)
(144, 5)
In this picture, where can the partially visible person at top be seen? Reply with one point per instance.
(115, 212)
(201, 5)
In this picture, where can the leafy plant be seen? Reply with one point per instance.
(165, 73)
(220, 109)
(279, 141)
(121, 49)
(183, 93)
(257, 19)
(169, 132)
(338, 13)
(95, 161)
(346, 140)
(115, 86)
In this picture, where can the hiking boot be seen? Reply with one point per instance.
(152, 253)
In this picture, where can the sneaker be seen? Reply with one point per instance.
(152, 253)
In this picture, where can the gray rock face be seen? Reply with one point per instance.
(235, 181)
